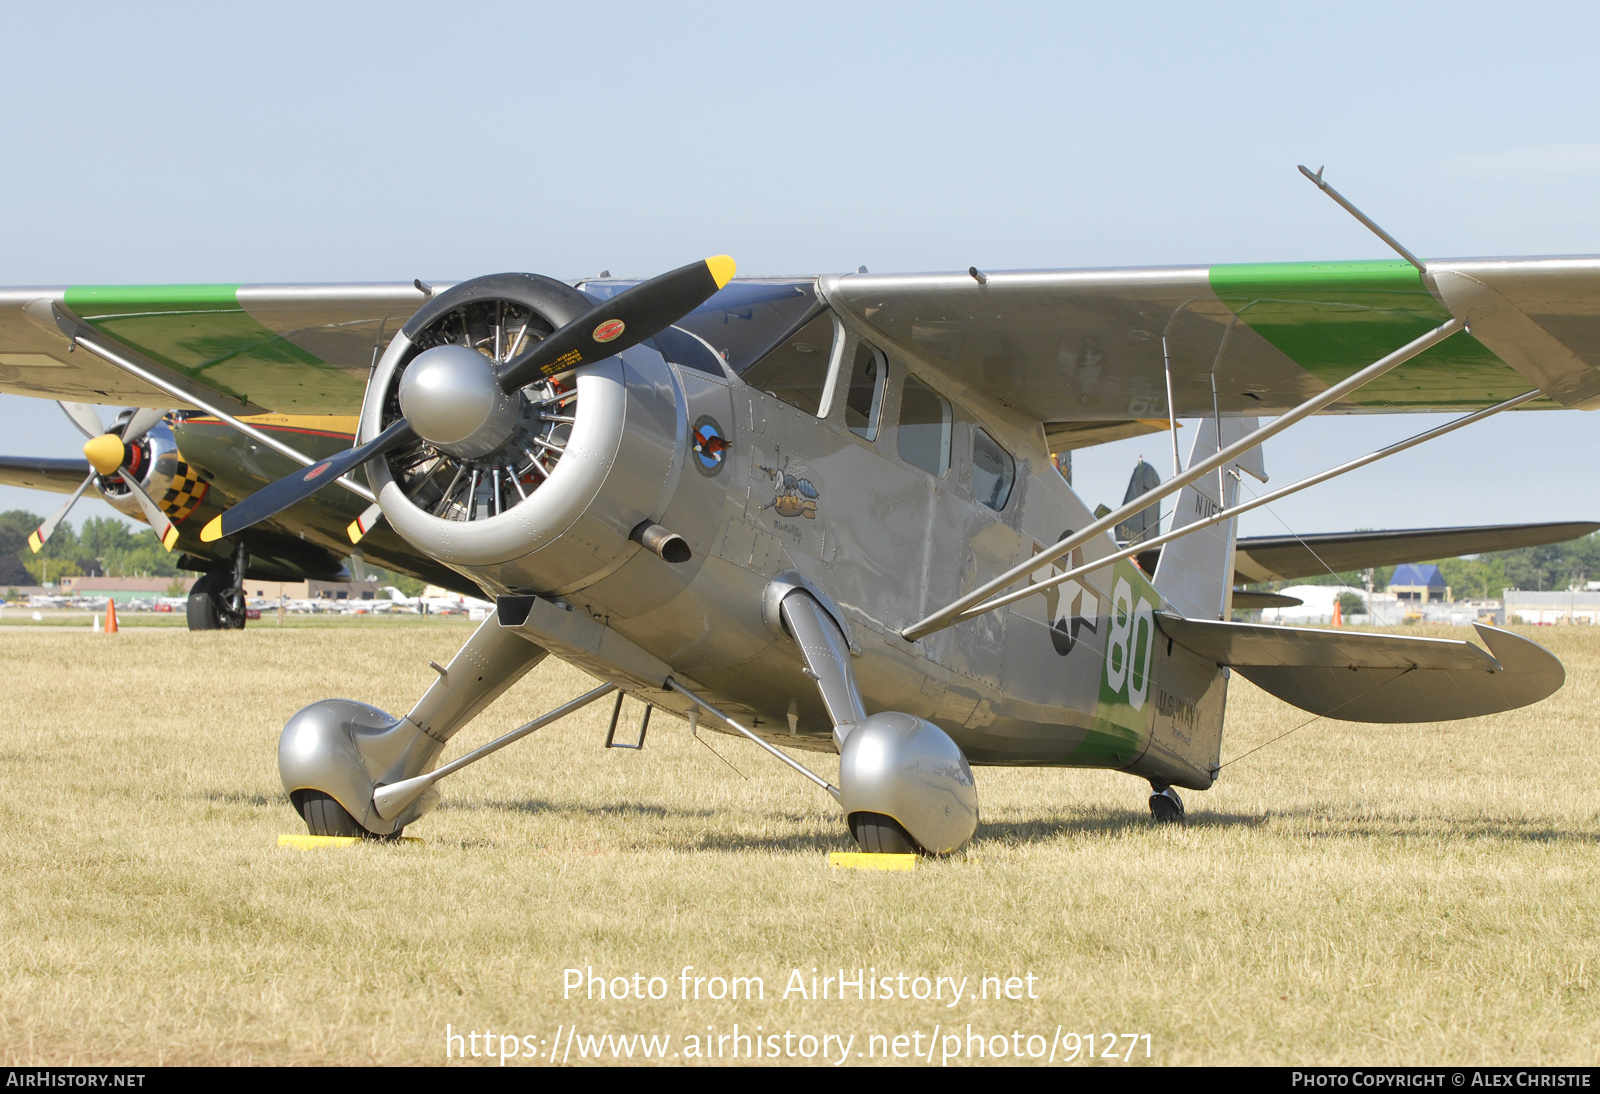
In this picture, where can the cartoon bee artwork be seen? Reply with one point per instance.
(792, 496)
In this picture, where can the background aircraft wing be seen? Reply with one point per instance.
(291, 348)
(1279, 558)
(38, 473)
(1246, 601)
(1081, 350)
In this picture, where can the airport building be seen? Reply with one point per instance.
(1568, 606)
(124, 589)
(1419, 583)
(312, 590)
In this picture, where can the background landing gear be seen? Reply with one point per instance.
(211, 608)
(216, 603)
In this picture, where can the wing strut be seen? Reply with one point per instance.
(1245, 507)
(953, 611)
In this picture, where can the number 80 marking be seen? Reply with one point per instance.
(1130, 645)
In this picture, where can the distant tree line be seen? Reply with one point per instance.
(104, 547)
(107, 547)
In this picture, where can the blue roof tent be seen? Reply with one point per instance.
(1413, 574)
(1418, 582)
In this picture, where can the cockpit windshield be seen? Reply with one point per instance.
(744, 320)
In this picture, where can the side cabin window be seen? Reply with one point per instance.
(796, 369)
(923, 436)
(994, 472)
(863, 400)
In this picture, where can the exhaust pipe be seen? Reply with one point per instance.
(669, 546)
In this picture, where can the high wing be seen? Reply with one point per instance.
(1078, 350)
(302, 349)
(1081, 350)
(1280, 558)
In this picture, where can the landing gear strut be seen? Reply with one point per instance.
(216, 603)
(903, 782)
(1165, 805)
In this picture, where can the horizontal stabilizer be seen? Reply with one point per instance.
(1360, 677)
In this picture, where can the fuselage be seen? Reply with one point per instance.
(796, 452)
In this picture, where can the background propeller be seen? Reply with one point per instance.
(618, 324)
(110, 453)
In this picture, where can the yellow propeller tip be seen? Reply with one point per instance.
(354, 531)
(35, 543)
(722, 268)
(105, 453)
(170, 538)
(212, 531)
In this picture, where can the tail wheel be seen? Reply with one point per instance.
(326, 817)
(1166, 807)
(881, 835)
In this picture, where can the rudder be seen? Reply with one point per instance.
(1195, 573)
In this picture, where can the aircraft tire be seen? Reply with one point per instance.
(1166, 807)
(326, 817)
(207, 610)
(881, 835)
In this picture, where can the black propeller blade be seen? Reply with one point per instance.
(620, 323)
(274, 499)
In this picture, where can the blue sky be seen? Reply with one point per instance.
(351, 142)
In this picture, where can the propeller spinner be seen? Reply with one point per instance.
(111, 453)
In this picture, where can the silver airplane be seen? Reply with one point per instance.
(822, 513)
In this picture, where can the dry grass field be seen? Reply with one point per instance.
(1353, 894)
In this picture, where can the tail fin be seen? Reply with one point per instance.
(1195, 573)
(1145, 523)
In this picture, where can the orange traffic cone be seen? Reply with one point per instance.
(1338, 617)
(111, 617)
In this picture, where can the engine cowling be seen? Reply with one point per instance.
(536, 490)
